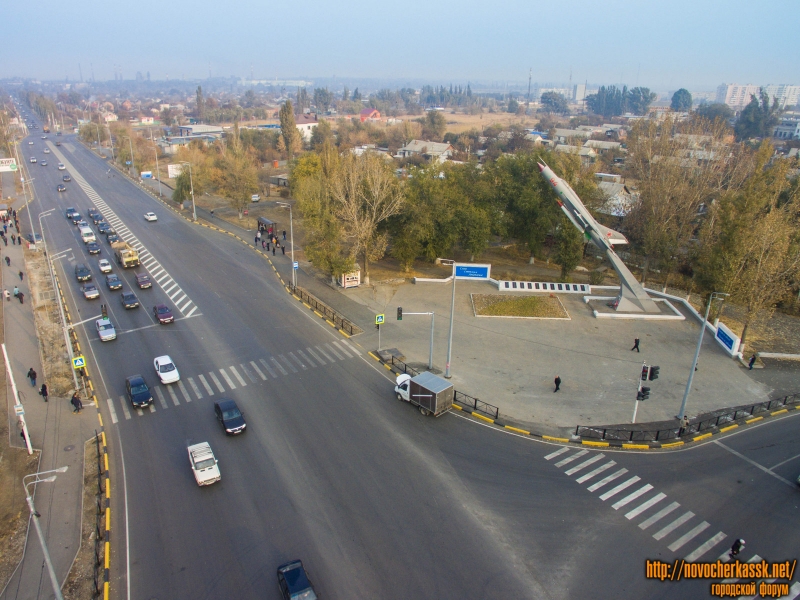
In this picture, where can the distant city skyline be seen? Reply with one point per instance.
(695, 45)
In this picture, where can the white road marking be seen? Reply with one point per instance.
(179, 300)
(335, 353)
(315, 355)
(191, 312)
(325, 354)
(643, 507)
(287, 363)
(278, 365)
(688, 536)
(705, 547)
(345, 352)
(160, 395)
(585, 464)
(658, 516)
(152, 407)
(268, 368)
(558, 452)
(184, 391)
(183, 308)
(216, 382)
(631, 497)
(352, 348)
(260, 373)
(124, 404)
(173, 395)
(242, 382)
(755, 464)
(209, 391)
(609, 479)
(195, 389)
(305, 358)
(569, 459)
(298, 361)
(248, 373)
(227, 378)
(112, 411)
(622, 486)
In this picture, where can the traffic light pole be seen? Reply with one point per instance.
(642, 377)
(430, 354)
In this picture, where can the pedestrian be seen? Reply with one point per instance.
(20, 276)
(32, 376)
(212, 213)
(752, 362)
(76, 403)
(635, 345)
(258, 235)
(7, 295)
(557, 381)
(269, 243)
(16, 291)
(255, 241)
(283, 249)
(21, 297)
(22, 435)
(284, 235)
(8, 260)
(684, 425)
(5, 240)
(5, 227)
(273, 250)
(13, 239)
(43, 392)
(263, 244)
(737, 547)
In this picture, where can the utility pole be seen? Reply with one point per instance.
(530, 75)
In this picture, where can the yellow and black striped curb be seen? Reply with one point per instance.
(610, 444)
(106, 471)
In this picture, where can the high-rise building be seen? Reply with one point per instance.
(736, 96)
(579, 92)
(786, 95)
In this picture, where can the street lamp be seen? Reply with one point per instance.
(291, 240)
(111, 142)
(130, 143)
(711, 299)
(191, 187)
(158, 171)
(446, 261)
(35, 518)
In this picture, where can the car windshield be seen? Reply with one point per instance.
(166, 368)
(204, 464)
(104, 327)
(139, 389)
(304, 595)
(232, 413)
(162, 310)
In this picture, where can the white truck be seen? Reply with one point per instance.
(204, 464)
(428, 392)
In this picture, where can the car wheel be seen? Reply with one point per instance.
(423, 411)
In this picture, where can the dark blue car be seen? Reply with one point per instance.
(138, 392)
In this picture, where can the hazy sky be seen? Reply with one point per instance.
(664, 45)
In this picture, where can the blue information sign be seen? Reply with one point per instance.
(472, 271)
(725, 339)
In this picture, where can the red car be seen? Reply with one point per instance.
(163, 314)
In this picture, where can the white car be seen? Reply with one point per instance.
(166, 369)
(62, 167)
(47, 150)
(105, 266)
(33, 159)
(105, 330)
(255, 198)
(204, 464)
(150, 216)
(30, 143)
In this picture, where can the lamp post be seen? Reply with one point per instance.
(158, 171)
(191, 187)
(19, 411)
(291, 240)
(111, 142)
(35, 518)
(24, 193)
(711, 299)
(130, 144)
(452, 312)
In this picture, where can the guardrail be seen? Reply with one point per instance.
(476, 405)
(699, 424)
(99, 571)
(338, 320)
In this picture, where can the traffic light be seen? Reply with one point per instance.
(644, 372)
(654, 373)
(399, 313)
(643, 394)
(103, 311)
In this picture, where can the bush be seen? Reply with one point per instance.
(596, 277)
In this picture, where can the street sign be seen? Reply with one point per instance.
(78, 362)
(8, 165)
(127, 162)
(296, 265)
(19, 410)
(472, 271)
(379, 319)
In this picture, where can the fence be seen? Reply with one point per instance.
(699, 424)
(101, 533)
(477, 405)
(339, 321)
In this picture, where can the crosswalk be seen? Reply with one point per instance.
(680, 529)
(231, 377)
(157, 272)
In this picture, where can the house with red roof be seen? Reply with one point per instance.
(370, 114)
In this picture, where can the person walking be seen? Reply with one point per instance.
(557, 381)
(284, 235)
(16, 291)
(20, 276)
(283, 249)
(13, 239)
(5, 227)
(5, 241)
(684, 425)
(269, 243)
(752, 362)
(273, 250)
(32, 376)
(76, 403)
(8, 261)
(21, 298)
(635, 345)
(258, 236)
(263, 244)
(43, 392)
(737, 547)
(7, 295)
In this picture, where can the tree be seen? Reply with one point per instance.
(303, 101)
(200, 110)
(239, 179)
(322, 134)
(289, 134)
(433, 125)
(249, 99)
(640, 99)
(569, 247)
(681, 101)
(513, 106)
(758, 118)
(167, 117)
(346, 94)
(554, 102)
(323, 98)
(356, 95)
(715, 111)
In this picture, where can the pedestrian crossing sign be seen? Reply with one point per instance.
(379, 319)
(78, 362)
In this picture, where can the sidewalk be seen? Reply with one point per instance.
(55, 432)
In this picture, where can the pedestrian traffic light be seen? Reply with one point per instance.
(644, 372)
(643, 394)
(103, 311)
(399, 313)
(654, 373)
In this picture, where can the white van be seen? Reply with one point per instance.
(87, 235)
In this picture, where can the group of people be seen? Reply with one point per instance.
(269, 239)
(44, 393)
(16, 238)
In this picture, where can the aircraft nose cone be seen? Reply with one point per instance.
(541, 167)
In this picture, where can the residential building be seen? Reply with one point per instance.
(786, 95)
(602, 146)
(788, 127)
(563, 135)
(736, 96)
(579, 93)
(588, 155)
(305, 125)
(619, 199)
(431, 151)
(110, 117)
(370, 114)
(195, 130)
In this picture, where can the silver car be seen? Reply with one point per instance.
(90, 291)
(105, 330)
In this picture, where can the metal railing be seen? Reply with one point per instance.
(338, 320)
(98, 570)
(475, 404)
(700, 424)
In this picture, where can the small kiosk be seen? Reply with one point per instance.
(351, 279)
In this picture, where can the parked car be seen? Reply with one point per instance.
(113, 282)
(143, 281)
(98, 218)
(103, 227)
(166, 369)
(34, 238)
(129, 300)
(163, 314)
(82, 272)
(294, 583)
(150, 216)
(204, 464)
(104, 265)
(105, 330)
(90, 291)
(138, 392)
(229, 416)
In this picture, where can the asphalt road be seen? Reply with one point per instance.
(378, 501)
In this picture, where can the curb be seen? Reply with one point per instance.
(106, 471)
(616, 445)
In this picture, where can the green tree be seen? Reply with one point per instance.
(239, 179)
(289, 134)
(554, 102)
(758, 118)
(715, 111)
(433, 125)
(323, 98)
(513, 106)
(640, 99)
(356, 95)
(681, 101)
(568, 247)
(346, 94)
(322, 134)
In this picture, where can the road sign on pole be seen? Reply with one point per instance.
(379, 319)
(295, 265)
(78, 362)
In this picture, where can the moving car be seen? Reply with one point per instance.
(105, 330)
(150, 216)
(294, 582)
(30, 143)
(58, 143)
(255, 198)
(163, 314)
(62, 167)
(66, 178)
(166, 369)
(43, 163)
(204, 464)
(92, 212)
(81, 223)
(82, 272)
(112, 237)
(229, 416)
(105, 266)
(129, 300)
(90, 291)
(61, 187)
(71, 212)
(93, 248)
(33, 159)
(143, 281)
(97, 219)
(113, 282)
(103, 227)
(138, 392)
(47, 150)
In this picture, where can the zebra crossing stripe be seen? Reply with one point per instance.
(257, 370)
(248, 373)
(124, 404)
(643, 507)
(195, 389)
(688, 536)
(658, 516)
(205, 385)
(152, 408)
(160, 396)
(325, 354)
(184, 391)
(631, 497)
(191, 312)
(558, 452)
(335, 353)
(315, 355)
(569, 459)
(609, 479)
(305, 358)
(268, 368)
(585, 464)
(228, 379)
(662, 533)
(352, 348)
(111, 410)
(216, 382)
(287, 363)
(705, 547)
(755, 559)
(597, 471)
(233, 370)
(173, 395)
(278, 365)
(622, 486)
(298, 361)
(345, 352)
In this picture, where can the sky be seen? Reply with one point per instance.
(696, 44)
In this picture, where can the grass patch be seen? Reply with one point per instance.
(497, 305)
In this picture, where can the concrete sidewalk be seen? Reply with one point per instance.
(56, 433)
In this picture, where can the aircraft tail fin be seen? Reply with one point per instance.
(614, 237)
